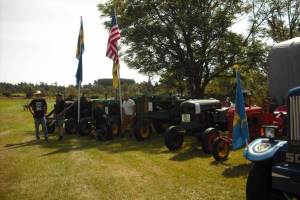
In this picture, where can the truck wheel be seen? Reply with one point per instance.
(84, 127)
(158, 126)
(71, 126)
(207, 138)
(259, 181)
(142, 131)
(220, 149)
(50, 128)
(174, 137)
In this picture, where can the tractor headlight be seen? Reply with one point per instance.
(269, 131)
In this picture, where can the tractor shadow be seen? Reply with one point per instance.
(191, 149)
(190, 153)
(231, 171)
(237, 171)
(78, 143)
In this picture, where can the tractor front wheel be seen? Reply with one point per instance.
(174, 137)
(142, 131)
(102, 132)
(220, 149)
(259, 182)
(207, 139)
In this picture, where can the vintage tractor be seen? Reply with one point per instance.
(275, 173)
(256, 118)
(283, 74)
(197, 116)
(103, 122)
(160, 111)
(70, 124)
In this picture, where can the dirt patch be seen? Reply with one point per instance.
(4, 133)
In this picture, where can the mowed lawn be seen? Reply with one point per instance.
(82, 168)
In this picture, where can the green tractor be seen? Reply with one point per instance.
(158, 111)
(103, 122)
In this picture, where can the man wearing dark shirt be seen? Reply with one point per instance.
(59, 114)
(38, 109)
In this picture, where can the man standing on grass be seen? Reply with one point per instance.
(38, 108)
(59, 114)
(128, 107)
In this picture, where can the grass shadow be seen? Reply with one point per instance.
(22, 144)
(193, 151)
(237, 171)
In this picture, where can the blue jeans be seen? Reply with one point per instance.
(37, 122)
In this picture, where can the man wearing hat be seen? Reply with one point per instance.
(38, 108)
(59, 113)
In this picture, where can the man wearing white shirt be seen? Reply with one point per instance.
(128, 107)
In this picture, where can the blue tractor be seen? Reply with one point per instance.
(275, 173)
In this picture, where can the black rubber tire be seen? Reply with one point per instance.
(71, 126)
(102, 133)
(174, 137)
(158, 126)
(142, 130)
(220, 149)
(51, 128)
(207, 139)
(84, 126)
(259, 182)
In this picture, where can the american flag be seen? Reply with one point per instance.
(112, 44)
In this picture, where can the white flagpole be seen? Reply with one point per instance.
(118, 69)
(78, 117)
(120, 95)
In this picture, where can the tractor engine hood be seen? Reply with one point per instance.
(196, 106)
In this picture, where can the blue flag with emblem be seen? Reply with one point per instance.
(79, 52)
(240, 132)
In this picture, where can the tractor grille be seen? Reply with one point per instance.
(294, 119)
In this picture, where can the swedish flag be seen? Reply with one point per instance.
(240, 131)
(79, 52)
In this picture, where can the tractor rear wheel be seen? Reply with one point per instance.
(114, 128)
(158, 126)
(142, 131)
(71, 126)
(259, 182)
(220, 149)
(84, 126)
(207, 139)
(174, 137)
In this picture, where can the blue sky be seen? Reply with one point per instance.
(38, 41)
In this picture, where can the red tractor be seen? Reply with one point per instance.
(256, 117)
(283, 74)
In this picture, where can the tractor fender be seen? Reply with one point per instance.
(263, 149)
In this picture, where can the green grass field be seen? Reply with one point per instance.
(82, 168)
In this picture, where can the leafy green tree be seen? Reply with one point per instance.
(187, 37)
(276, 19)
